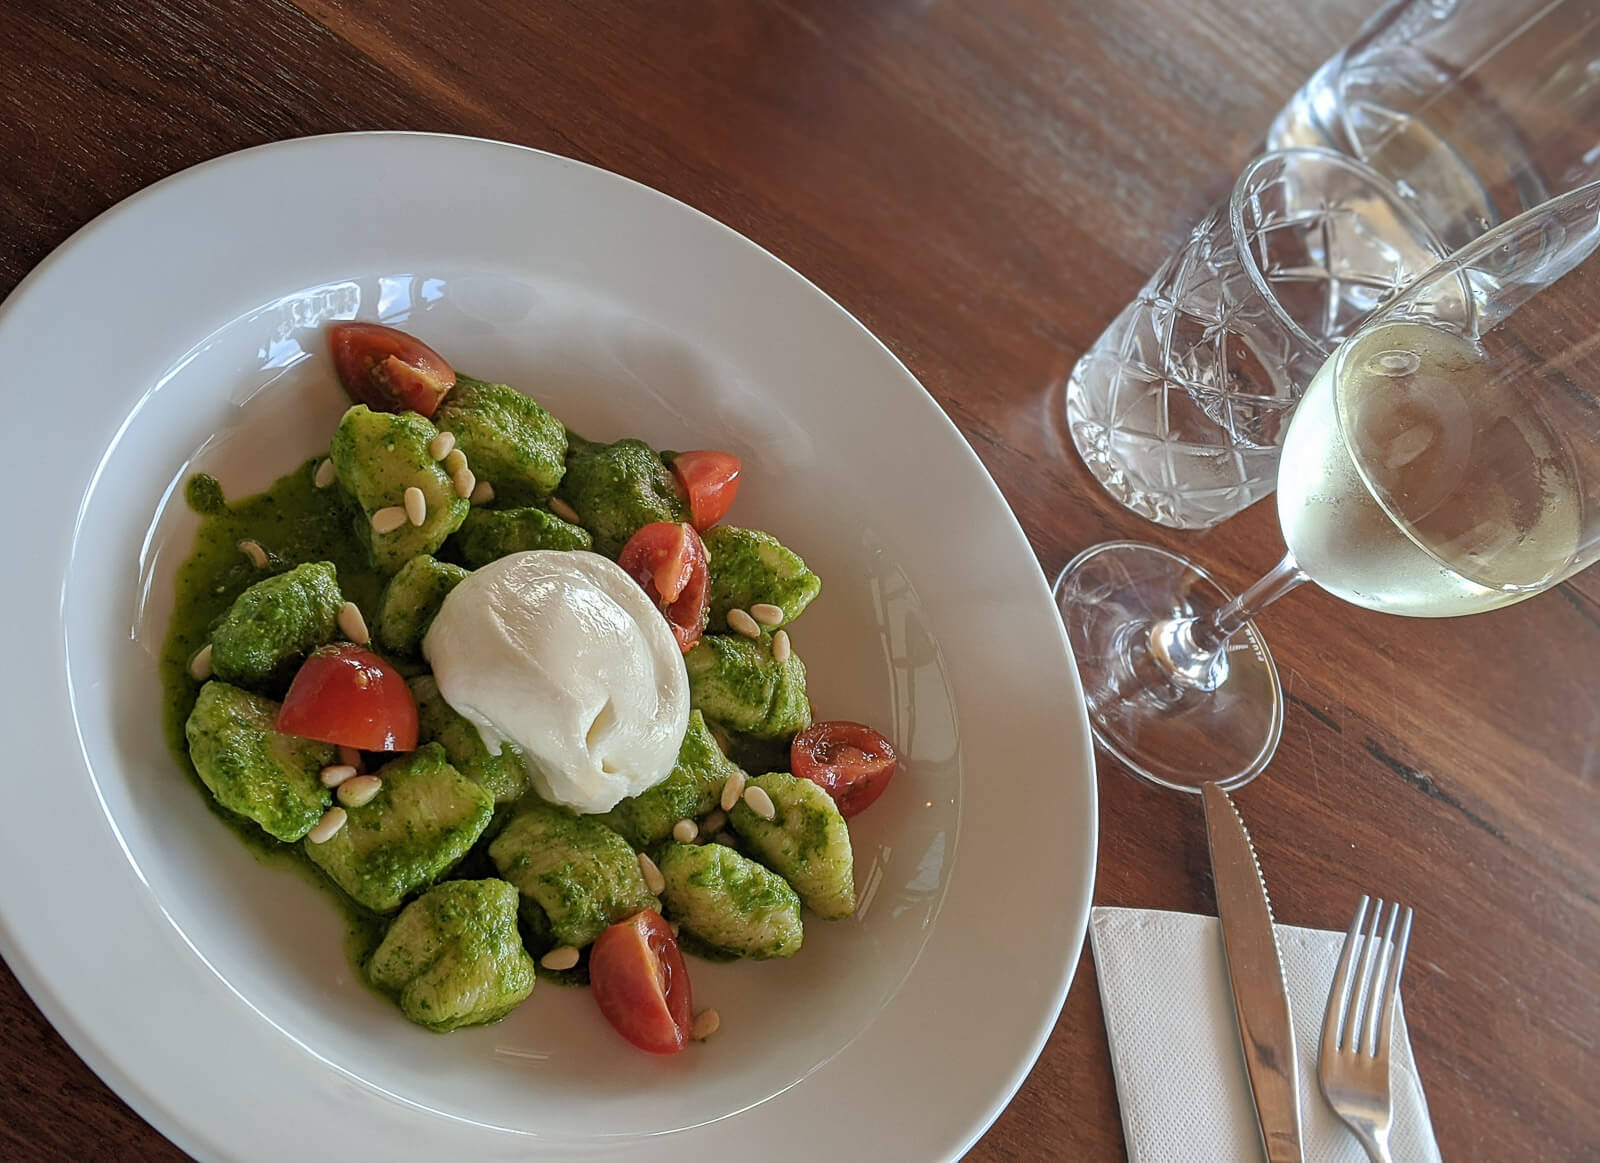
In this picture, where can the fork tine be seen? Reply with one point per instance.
(1339, 996)
(1380, 966)
(1391, 987)
(1359, 999)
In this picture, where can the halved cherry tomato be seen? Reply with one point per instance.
(849, 761)
(388, 370)
(347, 695)
(669, 560)
(641, 985)
(710, 480)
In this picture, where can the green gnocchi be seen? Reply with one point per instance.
(447, 851)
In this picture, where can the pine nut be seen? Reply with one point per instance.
(253, 550)
(781, 650)
(767, 614)
(684, 831)
(360, 790)
(388, 520)
(352, 757)
(676, 929)
(742, 623)
(353, 625)
(326, 473)
(565, 511)
(559, 958)
(706, 1023)
(465, 482)
(200, 664)
(454, 461)
(328, 827)
(732, 790)
(439, 447)
(653, 880)
(759, 802)
(482, 494)
(336, 773)
(416, 506)
(714, 822)
(726, 839)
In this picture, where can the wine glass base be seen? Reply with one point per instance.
(1169, 734)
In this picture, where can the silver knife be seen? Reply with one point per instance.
(1255, 969)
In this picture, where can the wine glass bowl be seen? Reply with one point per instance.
(1438, 463)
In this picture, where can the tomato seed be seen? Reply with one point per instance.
(759, 802)
(328, 827)
(439, 447)
(336, 773)
(388, 520)
(253, 550)
(653, 880)
(353, 625)
(360, 790)
(559, 958)
(326, 473)
(732, 790)
(742, 623)
(416, 506)
(767, 614)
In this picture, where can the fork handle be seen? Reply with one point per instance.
(1377, 1144)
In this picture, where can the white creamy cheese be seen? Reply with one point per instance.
(561, 653)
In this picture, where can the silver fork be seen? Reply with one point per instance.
(1354, 1062)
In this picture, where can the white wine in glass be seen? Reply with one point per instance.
(1451, 496)
(1445, 460)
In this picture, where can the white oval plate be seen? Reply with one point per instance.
(181, 331)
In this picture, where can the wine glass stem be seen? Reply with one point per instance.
(1212, 632)
(1192, 651)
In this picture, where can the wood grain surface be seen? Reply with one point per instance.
(983, 184)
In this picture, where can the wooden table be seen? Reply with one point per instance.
(983, 184)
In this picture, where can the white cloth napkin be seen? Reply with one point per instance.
(1180, 1070)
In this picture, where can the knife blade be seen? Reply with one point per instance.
(1255, 970)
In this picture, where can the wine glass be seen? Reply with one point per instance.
(1445, 460)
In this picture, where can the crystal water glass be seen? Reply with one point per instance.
(1179, 408)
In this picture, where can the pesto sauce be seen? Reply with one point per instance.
(691, 946)
(363, 930)
(295, 522)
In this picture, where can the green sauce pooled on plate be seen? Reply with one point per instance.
(294, 522)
